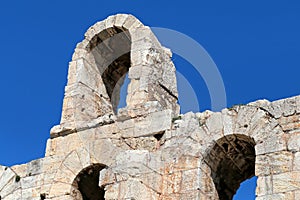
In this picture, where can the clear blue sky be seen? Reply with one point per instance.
(255, 45)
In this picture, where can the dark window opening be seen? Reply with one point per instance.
(43, 196)
(113, 78)
(232, 161)
(110, 50)
(87, 182)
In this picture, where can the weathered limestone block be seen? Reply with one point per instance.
(281, 196)
(107, 177)
(133, 163)
(293, 143)
(6, 176)
(190, 180)
(59, 189)
(147, 143)
(187, 123)
(152, 180)
(73, 163)
(21, 170)
(65, 174)
(263, 126)
(61, 145)
(11, 187)
(261, 103)
(296, 162)
(109, 22)
(31, 193)
(79, 53)
(51, 165)
(144, 39)
(16, 195)
(286, 182)
(89, 76)
(131, 189)
(132, 23)
(120, 20)
(271, 144)
(290, 106)
(290, 123)
(94, 30)
(284, 107)
(244, 119)
(264, 185)
(9, 181)
(228, 119)
(274, 163)
(297, 194)
(214, 123)
(64, 197)
(297, 104)
(103, 147)
(31, 181)
(149, 125)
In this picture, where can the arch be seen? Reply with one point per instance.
(110, 51)
(232, 161)
(86, 184)
(112, 48)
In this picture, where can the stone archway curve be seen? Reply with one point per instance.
(237, 141)
(88, 96)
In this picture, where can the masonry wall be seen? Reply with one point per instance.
(148, 150)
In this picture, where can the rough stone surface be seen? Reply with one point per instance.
(147, 150)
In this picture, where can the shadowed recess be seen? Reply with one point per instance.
(232, 161)
(111, 54)
(87, 182)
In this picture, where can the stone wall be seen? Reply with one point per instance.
(147, 150)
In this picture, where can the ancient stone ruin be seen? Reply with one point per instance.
(147, 150)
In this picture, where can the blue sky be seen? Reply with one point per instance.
(255, 45)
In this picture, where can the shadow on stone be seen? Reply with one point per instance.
(232, 161)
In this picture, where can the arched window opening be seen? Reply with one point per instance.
(87, 183)
(111, 54)
(246, 190)
(232, 161)
(114, 77)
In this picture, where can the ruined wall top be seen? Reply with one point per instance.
(112, 48)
